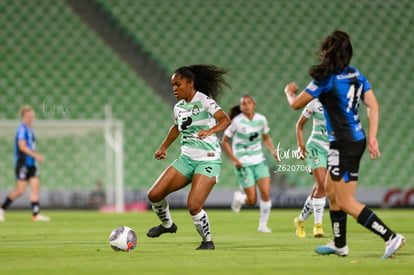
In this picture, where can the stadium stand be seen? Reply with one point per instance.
(53, 58)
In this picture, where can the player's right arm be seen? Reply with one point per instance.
(26, 150)
(225, 142)
(297, 101)
(172, 135)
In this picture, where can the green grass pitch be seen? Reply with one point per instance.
(76, 242)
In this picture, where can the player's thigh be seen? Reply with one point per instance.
(244, 176)
(262, 178)
(169, 181)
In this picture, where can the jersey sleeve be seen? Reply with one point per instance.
(175, 117)
(21, 133)
(366, 85)
(315, 88)
(211, 106)
(266, 128)
(308, 111)
(229, 132)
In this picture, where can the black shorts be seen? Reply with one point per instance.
(25, 173)
(344, 159)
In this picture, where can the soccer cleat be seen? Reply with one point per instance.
(236, 204)
(392, 245)
(264, 229)
(300, 228)
(156, 231)
(40, 218)
(205, 245)
(318, 230)
(330, 248)
(1, 215)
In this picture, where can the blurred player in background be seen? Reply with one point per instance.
(198, 118)
(340, 88)
(316, 154)
(247, 130)
(26, 158)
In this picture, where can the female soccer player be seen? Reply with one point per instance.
(198, 118)
(340, 88)
(247, 130)
(316, 154)
(26, 170)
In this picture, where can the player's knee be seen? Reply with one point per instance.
(251, 201)
(154, 196)
(194, 208)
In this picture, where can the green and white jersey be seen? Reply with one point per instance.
(191, 118)
(319, 135)
(246, 138)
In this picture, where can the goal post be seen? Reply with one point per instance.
(79, 155)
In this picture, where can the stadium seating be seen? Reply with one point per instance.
(53, 56)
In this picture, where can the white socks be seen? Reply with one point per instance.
(318, 205)
(306, 210)
(162, 210)
(202, 225)
(265, 207)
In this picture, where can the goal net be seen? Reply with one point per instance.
(83, 165)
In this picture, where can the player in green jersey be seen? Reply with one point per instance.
(197, 117)
(316, 154)
(247, 130)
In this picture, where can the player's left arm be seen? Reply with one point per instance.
(371, 102)
(296, 101)
(223, 121)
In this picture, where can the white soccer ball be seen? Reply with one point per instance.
(123, 238)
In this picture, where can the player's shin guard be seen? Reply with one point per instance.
(306, 210)
(202, 225)
(369, 220)
(265, 207)
(318, 205)
(162, 210)
(338, 220)
(35, 208)
(6, 203)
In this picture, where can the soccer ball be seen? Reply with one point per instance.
(123, 238)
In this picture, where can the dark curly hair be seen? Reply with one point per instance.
(335, 54)
(208, 79)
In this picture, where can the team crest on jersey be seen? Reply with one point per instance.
(196, 110)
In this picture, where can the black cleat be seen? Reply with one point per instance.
(206, 246)
(156, 231)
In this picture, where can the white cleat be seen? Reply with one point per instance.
(330, 248)
(392, 246)
(1, 215)
(236, 203)
(40, 218)
(264, 229)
